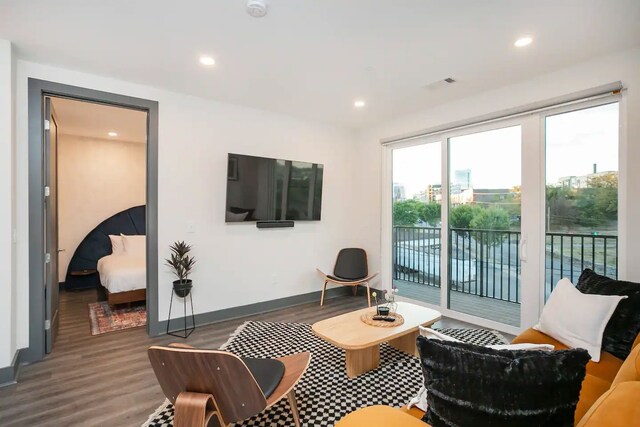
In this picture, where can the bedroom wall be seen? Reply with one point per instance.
(7, 282)
(624, 66)
(237, 263)
(96, 179)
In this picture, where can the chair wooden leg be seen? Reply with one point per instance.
(193, 409)
(322, 297)
(291, 396)
(368, 295)
(354, 290)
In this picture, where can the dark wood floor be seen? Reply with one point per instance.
(106, 380)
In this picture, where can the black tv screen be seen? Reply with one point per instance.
(265, 189)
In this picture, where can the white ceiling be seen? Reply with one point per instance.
(312, 58)
(96, 120)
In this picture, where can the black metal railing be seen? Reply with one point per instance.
(487, 262)
(569, 254)
(417, 255)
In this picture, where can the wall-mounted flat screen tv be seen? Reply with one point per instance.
(265, 189)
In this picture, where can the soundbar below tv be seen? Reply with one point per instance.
(266, 189)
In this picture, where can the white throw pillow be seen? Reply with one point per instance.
(432, 334)
(135, 245)
(117, 245)
(522, 346)
(575, 319)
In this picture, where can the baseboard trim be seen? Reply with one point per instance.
(208, 318)
(9, 374)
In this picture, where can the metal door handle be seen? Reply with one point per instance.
(523, 249)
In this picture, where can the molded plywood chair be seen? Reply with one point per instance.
(204, 383)
(351, 269)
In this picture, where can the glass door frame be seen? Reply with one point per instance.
(533, 205)
(622, 176)
(386, 270)
(530, 215)
(527, 272)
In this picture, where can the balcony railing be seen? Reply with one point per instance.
(487, 262)
(569, 254)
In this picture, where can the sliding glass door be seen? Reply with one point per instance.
(484, 224)
(416, 201)
(485, 220)
(581, 216)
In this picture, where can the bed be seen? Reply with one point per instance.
(122, 274)
(123, 277)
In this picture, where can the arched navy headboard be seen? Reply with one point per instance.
(97, 245)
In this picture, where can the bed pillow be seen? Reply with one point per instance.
(135, 245)
(576, 319)
(235, 217)
(471, 385)
(117, 245)
(624, 325)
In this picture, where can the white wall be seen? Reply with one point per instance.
(624, 66)
(7, 284)
(238, 264)
(97, 178)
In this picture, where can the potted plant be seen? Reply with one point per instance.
(181, 264)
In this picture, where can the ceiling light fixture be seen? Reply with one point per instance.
(114, 134)
(207, 60)
(359, 103)
(257, 8)
(523, 41)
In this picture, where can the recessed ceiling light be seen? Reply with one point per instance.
(359, 103)
(523, 41)
(207, 60)
(112, 134)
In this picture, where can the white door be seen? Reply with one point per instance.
(51, 284)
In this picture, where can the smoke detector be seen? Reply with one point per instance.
(257, 8)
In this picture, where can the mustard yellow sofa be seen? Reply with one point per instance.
(610, 395)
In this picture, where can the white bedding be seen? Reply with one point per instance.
(122, 273)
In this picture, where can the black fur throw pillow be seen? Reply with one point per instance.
(624, 325)
(470, 385)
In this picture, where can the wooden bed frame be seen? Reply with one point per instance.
(125, 297)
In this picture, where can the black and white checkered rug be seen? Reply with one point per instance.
(325, 394)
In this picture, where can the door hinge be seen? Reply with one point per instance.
(47, 191)
(47, 325)
(47, 258)
(47, 125)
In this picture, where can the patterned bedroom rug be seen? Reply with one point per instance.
(325, 394)
(105, 319)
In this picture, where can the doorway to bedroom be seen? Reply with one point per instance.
(97, 187)
(93, 179)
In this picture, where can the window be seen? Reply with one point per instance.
(466, 256)
(581, 193)
(417, 199)
(484, 224)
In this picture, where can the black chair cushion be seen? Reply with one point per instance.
(342, 279)
(267, 372)
(351, 264)
(624, 324)
(470, 385)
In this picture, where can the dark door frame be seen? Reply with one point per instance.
(37, 90)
